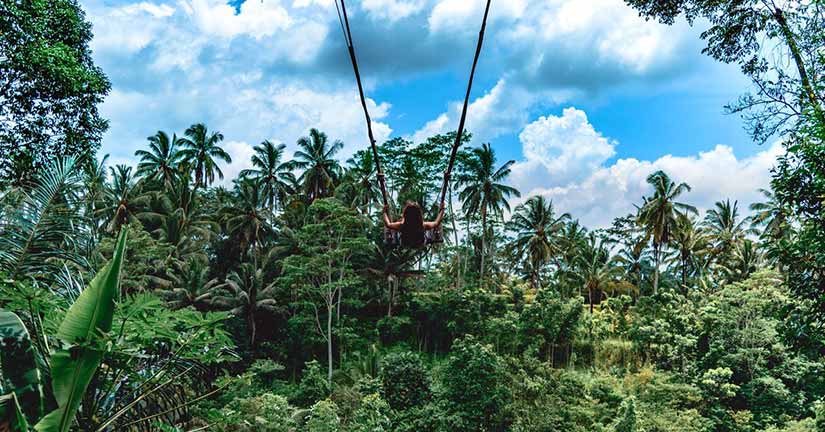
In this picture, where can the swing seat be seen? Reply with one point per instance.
(432, 237)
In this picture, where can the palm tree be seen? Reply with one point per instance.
(316, 158)
(635, 258)
(94, 195)
(536, 227)
(40, 231)
(745, 261)
(658, 215)
(359, 188)
(483, 191)
(724, 225)
(770, 215)
(201, 152)
(247, 218)
(181, 219)
(244, 294)
(270, 173)
(191, 286)
(726, 229)
(160, 163)
(690, 245)
(125, 200)
(595, 267)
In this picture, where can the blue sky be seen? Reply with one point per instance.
(587, 97)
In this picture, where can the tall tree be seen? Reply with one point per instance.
(747, 259)
(726, 228)
(785, 76)
(359, 186)
(160, 162)
(770, 215)
(49, 87)
(248, 219)
(125, 198)
(659, 213)
(271, 173)
(690, 245)
(246, 294)
(536, 227)
(202, 152)
(483, 191)
(323, 269)
(595, 268)
(316, 157)
(94, 195)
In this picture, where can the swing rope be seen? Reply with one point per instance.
(344, 21)
(460, 131)
(345, 28)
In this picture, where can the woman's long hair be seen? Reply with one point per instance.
(412, 232)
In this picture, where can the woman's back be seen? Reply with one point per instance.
(412, 231)
(413, 234)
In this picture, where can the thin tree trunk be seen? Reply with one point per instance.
(329, 345)
(779, 16)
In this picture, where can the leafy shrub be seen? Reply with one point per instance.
(313, 386)
(372, 415)
(323, 417)
(264, 413)
(474, 387)
(627, 419)
(404, 381)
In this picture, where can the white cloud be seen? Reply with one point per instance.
(114, 34)
(393, 10)
(241, 153)
(465, 16)
(565, 160)
(502, 110)
(566, 147)
(257, 18)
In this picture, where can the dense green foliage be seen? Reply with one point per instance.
(49, 86)
(270, 302)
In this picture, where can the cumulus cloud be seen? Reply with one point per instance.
(567, 161)
(567, 146)
(241, 153)
(502, 110)
(271, 69)
(392, 10)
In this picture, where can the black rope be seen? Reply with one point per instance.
(345, 28)
(342, 12)
(460, 132)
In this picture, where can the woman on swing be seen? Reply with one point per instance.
(412, 226)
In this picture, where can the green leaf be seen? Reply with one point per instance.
(90, 316)
(11, 416)
(18, 369)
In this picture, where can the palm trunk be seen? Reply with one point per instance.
(590, 298)
(656, 269)
(390, 286)
(483, 241)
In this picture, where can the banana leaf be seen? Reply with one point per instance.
(11, 417)
(89, 317)
(18, 370)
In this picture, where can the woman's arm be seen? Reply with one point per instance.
(437, 222)
(390, 224)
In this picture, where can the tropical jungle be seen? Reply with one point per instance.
(161, 296)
